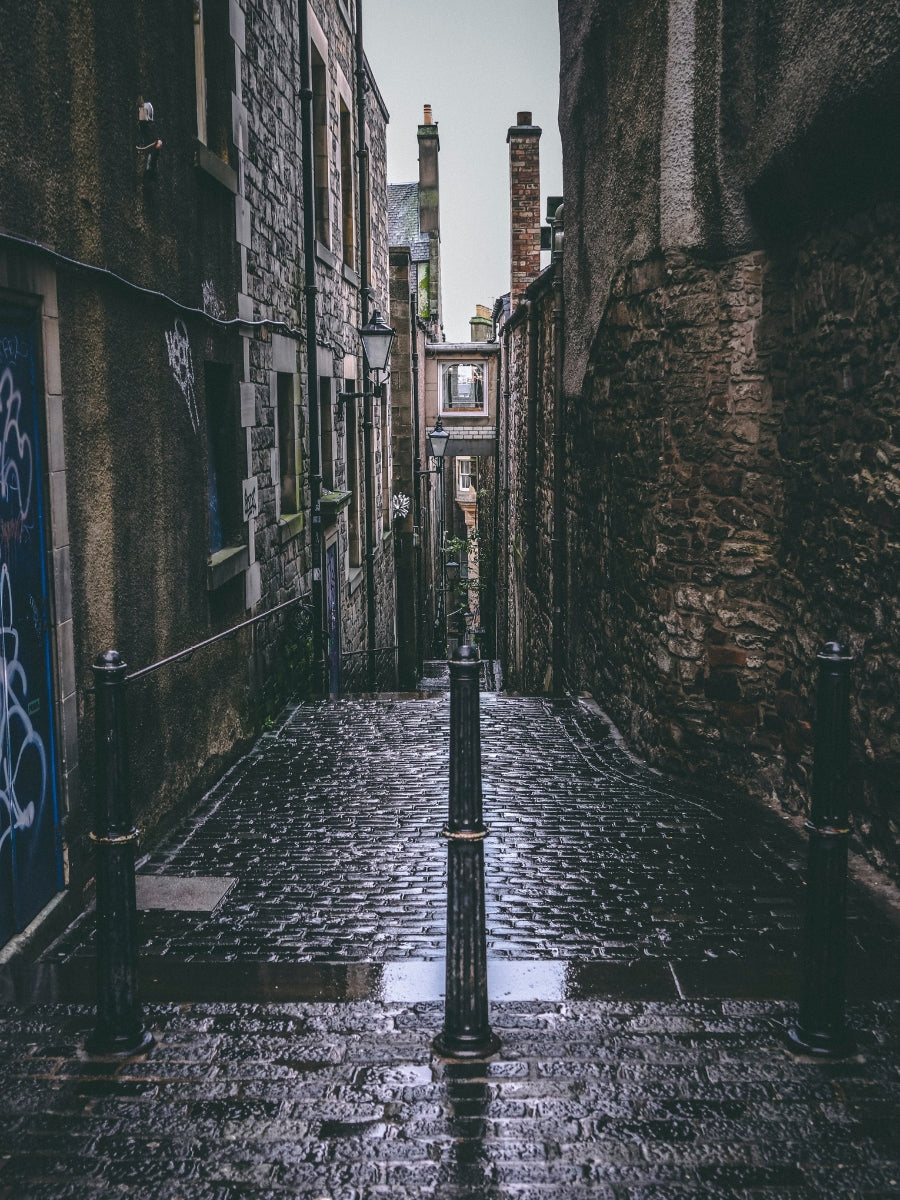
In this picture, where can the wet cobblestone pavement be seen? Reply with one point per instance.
(607, 1100)
(330, 826)
(643, 950)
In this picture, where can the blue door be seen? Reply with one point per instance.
(30, 859)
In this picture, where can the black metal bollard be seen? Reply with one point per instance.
(466, 1033)
(821, 1029)
(119, 1028)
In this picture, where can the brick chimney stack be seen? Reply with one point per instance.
(429, 186)
(525, 205)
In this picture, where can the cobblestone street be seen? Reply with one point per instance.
(643, 946)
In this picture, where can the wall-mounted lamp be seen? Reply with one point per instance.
(150, 144)
(438, 437)
(377, 340)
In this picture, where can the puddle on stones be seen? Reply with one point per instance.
(406, 982)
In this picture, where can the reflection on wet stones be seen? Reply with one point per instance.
(331, 827)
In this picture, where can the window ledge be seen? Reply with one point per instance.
(351, 275)
(324, 255)
(331, 503)
(210, 164)
(356, 578)
(289, 526)
(225, 564)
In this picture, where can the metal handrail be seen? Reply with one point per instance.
(164, 662)
(374, 650)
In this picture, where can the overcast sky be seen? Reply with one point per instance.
(477, 63)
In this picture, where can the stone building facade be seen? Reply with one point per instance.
(153, 300)
(727, 415)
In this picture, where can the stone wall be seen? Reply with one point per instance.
(734, 496)
(730, 265)
(526, 422)
(217, 234)
(835, 363)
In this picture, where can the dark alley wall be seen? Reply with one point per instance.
(731, 357)
(171, 376)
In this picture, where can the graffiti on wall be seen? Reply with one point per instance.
(12, 348)
(211, 302)
(24, 754)
(251, 498)
(16, 465)
(182, 366)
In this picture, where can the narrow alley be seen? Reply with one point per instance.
(642, 945)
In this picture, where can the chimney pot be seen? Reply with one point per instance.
(427, 120)
(523, 118)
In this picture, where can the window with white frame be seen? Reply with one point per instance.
(464, 387)
(464, 475)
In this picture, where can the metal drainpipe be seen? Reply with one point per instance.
(312, 366)
(417, 485)
(496, 510)
(362, 155)
(559, 449)
(506, 492)
(532, 565)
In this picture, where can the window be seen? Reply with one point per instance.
(351, 438)
(326, 434)
(287, 445)
(320, 148)
(464, 388)
(464, 474)
(347, 197)
(214, 76)
(222, 470)
(385, 463)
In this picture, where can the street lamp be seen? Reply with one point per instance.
(439, 438)
(377, 340)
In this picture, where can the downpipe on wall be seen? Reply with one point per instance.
(362, 156)
(320, 674)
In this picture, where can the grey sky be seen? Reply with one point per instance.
(477, 63)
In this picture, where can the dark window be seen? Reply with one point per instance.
(367, 221)
(326, 433)
(347, 213)
(351, 436)
(214, 64)
(385, 463)
(287, 444)
(222, 462)
(320, 148)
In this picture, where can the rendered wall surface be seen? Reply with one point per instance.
(218, 231)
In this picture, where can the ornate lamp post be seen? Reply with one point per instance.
(377, 341)
(439, 437)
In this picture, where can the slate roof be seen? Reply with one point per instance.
(403, 220)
